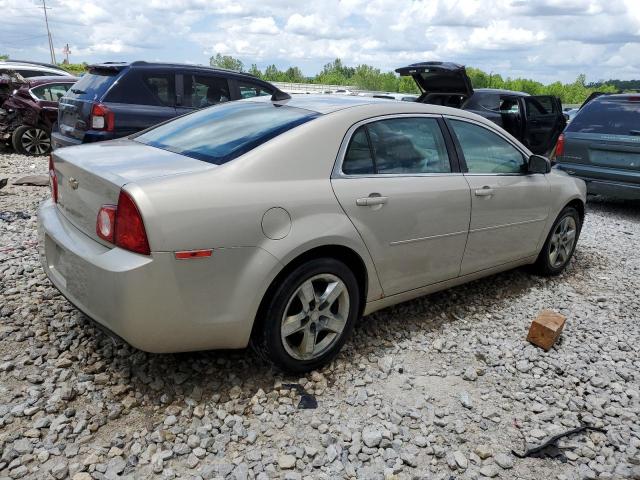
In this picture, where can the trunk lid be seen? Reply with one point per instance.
(603, 140)
(92, 175)
(74, 109)
(439, 78)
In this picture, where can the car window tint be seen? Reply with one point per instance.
(161, 87)
(203, 91)
(358, 159)
(537, 106)
(92, 85)
(409, 145)
(51, 92)
(226, 131)
(485, 151)
(248, 90)
(607, 116)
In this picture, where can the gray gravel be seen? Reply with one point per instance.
(442, 387)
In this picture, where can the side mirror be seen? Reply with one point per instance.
(538, 164)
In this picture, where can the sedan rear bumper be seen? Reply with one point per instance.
(156, 303)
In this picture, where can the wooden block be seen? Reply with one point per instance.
(546, 328)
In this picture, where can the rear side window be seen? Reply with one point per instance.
(51, 92)
(227, 131)
(142, 87)
(161, 87)
(248, 90)
(202, 91)
(400, 146)
(358, 160)
(93, 85)
(607, 116)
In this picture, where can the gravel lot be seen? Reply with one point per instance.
(442, 387)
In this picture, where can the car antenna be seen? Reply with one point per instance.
(279, 95)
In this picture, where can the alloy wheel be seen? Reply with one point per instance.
(315, 317)
(562, 242)
(35, 141)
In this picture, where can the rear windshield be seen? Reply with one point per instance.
(92, 85)
(608, 116)
(223, 132)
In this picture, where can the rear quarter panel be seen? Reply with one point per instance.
(224, 207)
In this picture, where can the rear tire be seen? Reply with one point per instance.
(28, 140)
(560, 244)
(309, 316)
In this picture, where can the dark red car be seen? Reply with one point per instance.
(29, 112)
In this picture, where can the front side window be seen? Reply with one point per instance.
(224, 132)
(399, 145)
(202, 91)
(485, 151)
(249, 90)
(51, 92)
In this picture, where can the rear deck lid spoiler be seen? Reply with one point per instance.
(439, 77)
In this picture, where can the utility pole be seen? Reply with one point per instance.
(66, 51)
(46, 21)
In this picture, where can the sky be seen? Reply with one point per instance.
(546, 40)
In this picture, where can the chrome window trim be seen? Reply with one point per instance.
(337, 168)
(524, 153)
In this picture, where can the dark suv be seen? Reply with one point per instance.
(537, 121)
(601, 145)
(117, 99)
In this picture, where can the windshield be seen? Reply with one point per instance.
(223, 132)
(608, 116)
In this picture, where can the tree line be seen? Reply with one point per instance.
(366, 77)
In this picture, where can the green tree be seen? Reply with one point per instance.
(254, 70)
(294, 74)
(76, 69)
(226, 61)
(4, 57)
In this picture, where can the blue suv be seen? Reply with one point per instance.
(114, 100)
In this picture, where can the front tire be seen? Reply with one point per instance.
(309, 316)
(28, 140)
(560, 244)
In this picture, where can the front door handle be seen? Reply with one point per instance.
(371, 200)
(485, 191)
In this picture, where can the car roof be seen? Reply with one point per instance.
(322, 103)
(326, 104)
(617, 96)
(35, 81)
(501, 92)
(174, 66)
(31, 65)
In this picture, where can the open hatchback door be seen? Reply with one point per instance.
(441, 83)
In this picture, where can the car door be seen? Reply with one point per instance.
(543, 122)
(200, 90)
(509, 207)
(407, 199)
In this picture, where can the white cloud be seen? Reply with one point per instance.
(542, 39)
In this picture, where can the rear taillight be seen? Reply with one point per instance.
(559, 151)
(53, 180)
(106, 223)
(122, 225)
(102, 118)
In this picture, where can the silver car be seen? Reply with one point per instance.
(280, 222)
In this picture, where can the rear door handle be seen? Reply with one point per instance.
(371, 200)
(485, 191)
